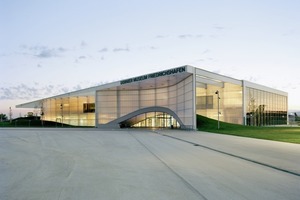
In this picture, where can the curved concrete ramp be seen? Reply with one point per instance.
(116, 123)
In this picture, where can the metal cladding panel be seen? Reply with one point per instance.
(264, 88)
(209, 81)
(217, 77)
(34, 104)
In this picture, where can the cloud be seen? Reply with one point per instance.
(80, 58)
(205, 51)
(50, 52)
(77, 87)
(161, 36)
(103, 50)
(219, 27)
(39, 91)
(185, 36)
(116, 49)
(83, 44)
(46, 53)
(35, 91)
(42, 51)
(121, 49)
(18, 92)
(188, 36)
(65, 89)
(200, 60)
(181, 36)
(61, 49)
(148, 47)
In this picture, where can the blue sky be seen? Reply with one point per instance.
(51, 47)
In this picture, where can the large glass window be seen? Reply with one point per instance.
(205, 102)
(75, 110)
(231, 102)
(151, 120)
(89, 107)
(265, 108)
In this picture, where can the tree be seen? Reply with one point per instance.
(297, 118)
(3, 117)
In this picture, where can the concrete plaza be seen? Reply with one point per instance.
(144, 164)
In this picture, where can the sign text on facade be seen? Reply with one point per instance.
(154, 75)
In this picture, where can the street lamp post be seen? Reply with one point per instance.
(10, 114)
(218, 93)
(62, 114)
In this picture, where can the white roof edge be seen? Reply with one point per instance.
(217, 76)
(69, 94)
(264, 88)
(82, 91)
(189, 69)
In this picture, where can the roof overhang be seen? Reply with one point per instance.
(149, 81)
(161, 79)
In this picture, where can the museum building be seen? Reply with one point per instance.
(169, 98)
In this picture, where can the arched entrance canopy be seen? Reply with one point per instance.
(129, 119)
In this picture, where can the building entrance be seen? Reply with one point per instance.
(151, 120)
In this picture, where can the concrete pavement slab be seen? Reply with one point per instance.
(281, 155)
(130, 164)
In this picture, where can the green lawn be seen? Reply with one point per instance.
(31, 122)
(283, 134)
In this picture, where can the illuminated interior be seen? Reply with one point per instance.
(265, 108)
(151, 120)
(231, 102)
(113, 104)
(76, 110)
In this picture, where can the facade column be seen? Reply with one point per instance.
(96, 109)
(244, 103)
(118, 103)
(194, 100)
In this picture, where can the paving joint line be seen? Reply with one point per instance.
(189, 185)
(233, 155)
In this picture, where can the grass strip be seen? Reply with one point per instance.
(282, 134)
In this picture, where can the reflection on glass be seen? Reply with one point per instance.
(76, 111)
(265, 108)
(231, 105)
(151, 120)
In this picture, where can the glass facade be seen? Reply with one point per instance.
(76, 110)
(152, 120)
(231, 102)
(265, 108)
(113, 104)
